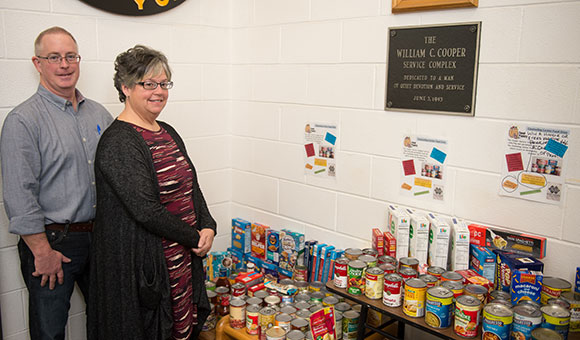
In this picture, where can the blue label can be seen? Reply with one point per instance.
(497, 321)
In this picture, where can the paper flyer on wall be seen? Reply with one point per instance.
(423, 167)
(320, 141)
(533, 166)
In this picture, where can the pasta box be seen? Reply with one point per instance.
(526, 285)
(242, 235)
(507, 240)
(506, 265)
(273, 246)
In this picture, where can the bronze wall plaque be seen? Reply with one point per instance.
(433, 68)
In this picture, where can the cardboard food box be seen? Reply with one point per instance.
(324, 262)
(526, 285)
(390, 244)
(470, 276)
(218, 260)
(291, 249)
(439, 235)
(399, 228)
(459, 245)
(482, 261)
(378, 241)
(316, 261)
(259, 240)
(334, 255)
(242, 235)
(418, 238)
(273, 246)
(238, 259)
(508, 262)
(508, 240)
(308, 248)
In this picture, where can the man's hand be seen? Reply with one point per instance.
(205, 242)
(47, 261)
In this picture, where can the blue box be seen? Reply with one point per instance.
(508, 262)
(316, 260)
(324, 262)
(482, 261)
(242, 235)
(238, 259)
(526, 285)
(273, 246)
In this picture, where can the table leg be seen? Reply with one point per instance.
(401, 330)
(362, 320)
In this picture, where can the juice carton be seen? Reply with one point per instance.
(459, 245)
(259, 240)
(273, 246)
(242, 235)
(508, 262)
(418, 238)
(439, 235)
(378, 241)
(482, 261)
(399, 227)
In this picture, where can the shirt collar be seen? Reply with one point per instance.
(58, 101)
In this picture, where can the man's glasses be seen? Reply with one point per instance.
(151, 85)
(57, 58)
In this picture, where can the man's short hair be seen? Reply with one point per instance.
(52, 30)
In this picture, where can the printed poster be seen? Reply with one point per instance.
(534, 163)
(423, 167)
(320, 141)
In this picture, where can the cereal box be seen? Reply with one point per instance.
(508, 240)
(273, 246)
(315, 260)
(291, 249)
(378, 241)
(390, 246)
(259, 240)
(242, 235)
(439, 234)
(399, 227)
(324, 261)
(418, 237)
(526, 285)
(507, 263)
(459, 245)
(482, 261)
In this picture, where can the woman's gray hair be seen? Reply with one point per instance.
(135, 63)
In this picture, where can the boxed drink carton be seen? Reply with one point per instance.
(399, 227)
(459, 245)
(439, 235)
(418, 238)
(259, 240)
(291, 249)
(378, 241)
(273, 246)
(508, 262)
(526, 285)
(324, 261)
(482, 261)
(520, 243)
(242, 235)
(390, 246)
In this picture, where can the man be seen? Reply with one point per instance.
(47, 149)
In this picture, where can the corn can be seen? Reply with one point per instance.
(414, 299)
(267, 320)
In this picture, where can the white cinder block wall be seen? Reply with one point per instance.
(250, 73)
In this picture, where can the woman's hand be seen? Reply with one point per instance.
(205, 242)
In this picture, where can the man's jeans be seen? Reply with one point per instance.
(48, 309)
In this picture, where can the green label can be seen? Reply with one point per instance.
(355, 277)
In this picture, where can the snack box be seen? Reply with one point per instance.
(259, 240)
(470, 276)
(315, 261)
(508, 240)
(270, 271)
(291, 249)
(238, 259)
(439, 235)
(218, 260)
(390, 246)
(508, 262)
(285, 274)
(458, 245)
(273, 246)
(242, 235)
(482, 261)
(324, 262)
(418, 238)
(399, 227)
(378, 241)
(526, 285)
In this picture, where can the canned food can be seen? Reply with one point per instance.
(497, 321)
(303, 314)
(388, 268)
(302, 305)
(526, 319)
(546, 334)
(300, 273)
(439, 307)
(295, 335)
(355, 277)
(212, 296)
(276, 333)
(466, 317)
(315, 307)
(254, 301)
(477, 291)
(329, 301)
(290, 310)
(369, 260)
(455, 287)
(414, 299)
(302, 297)
(262, 294)
(341, 272)
(436, 271)
(392, 290)
(429, 279)
(210, 285)
(387, 259)
(302, 286)
(408, 273)
(556, 318)
(370, 251)
(211, 320)
(283, 320)
(287, 298)
(530, 302)
(272, 300)
(338, 325)
(409, 262)
(451, 276)
(374, 281)
(560, 302)
(342, 307)
(317, 297)
(315, 286)
(574, 300)
(352, 253)
(499, 295)
(252, 319)
(237, 313)
(221, 291)
(553, 287)
(299, 324)
(350, 324)
(267, 320)
(238, 289)
(287, 282)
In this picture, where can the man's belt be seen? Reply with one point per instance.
(73, 227)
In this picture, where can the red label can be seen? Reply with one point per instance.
(341, 273)
(392, 290)
(238, 289)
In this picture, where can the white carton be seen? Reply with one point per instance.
(439, 234)
(418, 237)
(399, 227)
(459, 247)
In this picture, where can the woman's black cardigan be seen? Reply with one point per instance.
(129, 290)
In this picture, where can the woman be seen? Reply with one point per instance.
(152, 223)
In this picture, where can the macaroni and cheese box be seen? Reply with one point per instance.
(439, 234)
(418, 238)
(378, 241)
(399, 227)
(390, 244)
(242, 235)
(508, 240)
(482, 261)
(526, 285)
(459, 245)
(259, 240)
(507, 263)
(273, 246)
(291, 249)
